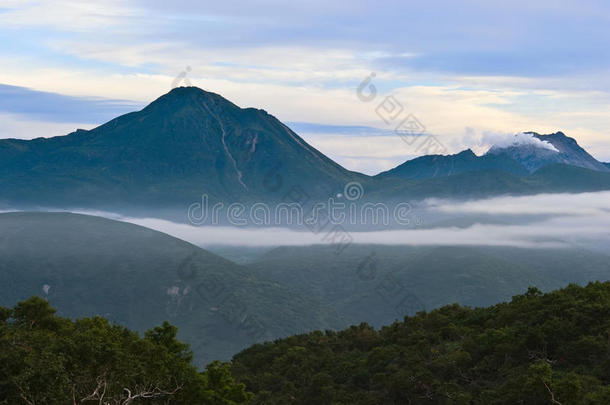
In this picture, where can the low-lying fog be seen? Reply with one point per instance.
(544, 220)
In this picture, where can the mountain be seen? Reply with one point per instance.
(531, 164)
(554, 178)
(191, 145)
(139, 278)
(430, 166)
(535, 349)
(378, 284)
(518, 159)
(564, 150)
(186, 143)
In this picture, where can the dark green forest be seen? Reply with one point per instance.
(49, 360)
(536, 349)
(551, 348)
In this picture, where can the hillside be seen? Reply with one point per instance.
(537, 349)
(379, 284)
(139, 278)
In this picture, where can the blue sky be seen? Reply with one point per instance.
(465, 69)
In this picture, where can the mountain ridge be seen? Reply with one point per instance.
(191, 143)
(515, 159)
(430, 166)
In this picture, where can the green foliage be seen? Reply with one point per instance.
(45, 359)
(220, 387)
(34, 313)
(536, 349)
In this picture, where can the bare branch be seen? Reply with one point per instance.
(553, 400)
(148, 393)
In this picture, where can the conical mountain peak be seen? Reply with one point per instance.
(190, 97)
(187, 143)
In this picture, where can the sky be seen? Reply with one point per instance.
(467, 71)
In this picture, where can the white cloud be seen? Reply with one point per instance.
(581, 204)
(538, 221)
(68, 15)
(553, 233)
(504, 140)
(545, 220)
